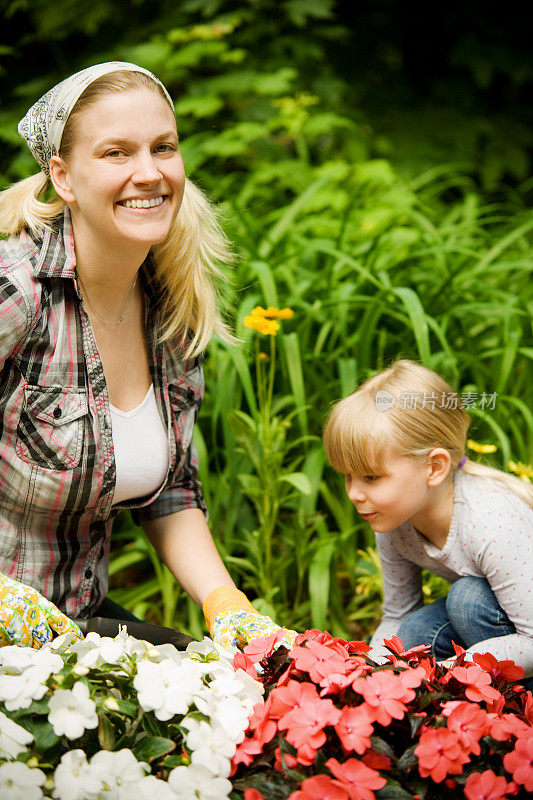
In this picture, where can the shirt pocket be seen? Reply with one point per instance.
(51, 426)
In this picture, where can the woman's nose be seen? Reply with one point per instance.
(146, 169)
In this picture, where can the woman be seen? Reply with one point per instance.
(107, 304)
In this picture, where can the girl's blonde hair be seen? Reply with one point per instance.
(187, 261)
(412, 409)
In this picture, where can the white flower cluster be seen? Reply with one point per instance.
(197, 689)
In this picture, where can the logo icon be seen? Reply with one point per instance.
(384, 400)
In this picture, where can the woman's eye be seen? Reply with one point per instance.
(115, 153)
(165, 148)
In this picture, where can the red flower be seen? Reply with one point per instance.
(502, 726)
(469, 722)
(253, 794)
(485, 786)
(506, 670)
(395, 644)
(244, 662)
(355, 728)
(320, 787)
(263, 646)
(261, 723)
(356, 778)
(305, 724)
(439, 754)
(385, 694)
(477, 681)
(319, 660)
(520, 761)
(245, 752)
(286, 698)
(527, 702)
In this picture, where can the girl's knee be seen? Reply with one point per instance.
(466, 595)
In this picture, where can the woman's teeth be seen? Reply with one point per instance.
(155, 201)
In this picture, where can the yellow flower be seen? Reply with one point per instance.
(524, 471)
(283, 313)
(481, 448)
(264, 319)
(267, 326)
(272, 313)
(263, 357)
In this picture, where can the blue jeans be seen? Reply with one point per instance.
(468, 615)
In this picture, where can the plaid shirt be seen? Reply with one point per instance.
(57, 466)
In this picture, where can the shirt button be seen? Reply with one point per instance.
(88, 573)
(57, 413)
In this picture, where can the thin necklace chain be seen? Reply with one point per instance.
(129, 298)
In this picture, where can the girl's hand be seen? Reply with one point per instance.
(239, 628)
(28, 618)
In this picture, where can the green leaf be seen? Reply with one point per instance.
(43, 733)
(393, 792)
(383, 747)
(152, 747)
(408, 759)
(319, 583)
(298, 480)
(106, 732)
(152, 725)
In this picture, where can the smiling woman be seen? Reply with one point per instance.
(108, 301)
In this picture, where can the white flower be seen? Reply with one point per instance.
(20, 782)
(167, 688)
(151, 788)
(18, 691)
(210, 745)
(13, 738)
(211, 653)
(23, 673)
(198, 783)
(120, 771)
(61, 643)
(95, 650)
(72, 711)
(14, 660)
(229, 712)
(73, 779)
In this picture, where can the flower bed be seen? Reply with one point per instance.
(115, 719)
(333, 726)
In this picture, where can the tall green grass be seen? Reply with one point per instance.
(374, 268)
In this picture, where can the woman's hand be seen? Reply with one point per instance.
(28, 618)
(239, 628)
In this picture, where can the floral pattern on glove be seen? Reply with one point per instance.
(28, 618)
(238, 628)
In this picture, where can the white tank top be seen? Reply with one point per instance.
(141, 449)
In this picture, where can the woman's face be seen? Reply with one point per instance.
(124, 178)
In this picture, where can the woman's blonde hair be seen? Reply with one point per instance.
(412, 409)
(187, 261)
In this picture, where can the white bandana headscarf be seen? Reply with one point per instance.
(43, 125)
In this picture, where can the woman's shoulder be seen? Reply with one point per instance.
(19, 289)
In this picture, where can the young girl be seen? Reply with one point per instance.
(107, 303)
(400, 442)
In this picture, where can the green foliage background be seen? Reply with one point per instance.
(389, 206)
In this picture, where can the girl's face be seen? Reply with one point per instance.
(124, 179)
(399, 492)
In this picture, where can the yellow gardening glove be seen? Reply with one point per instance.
(233, 621)
(28, 618)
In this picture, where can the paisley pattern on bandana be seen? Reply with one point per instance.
(42, 126)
